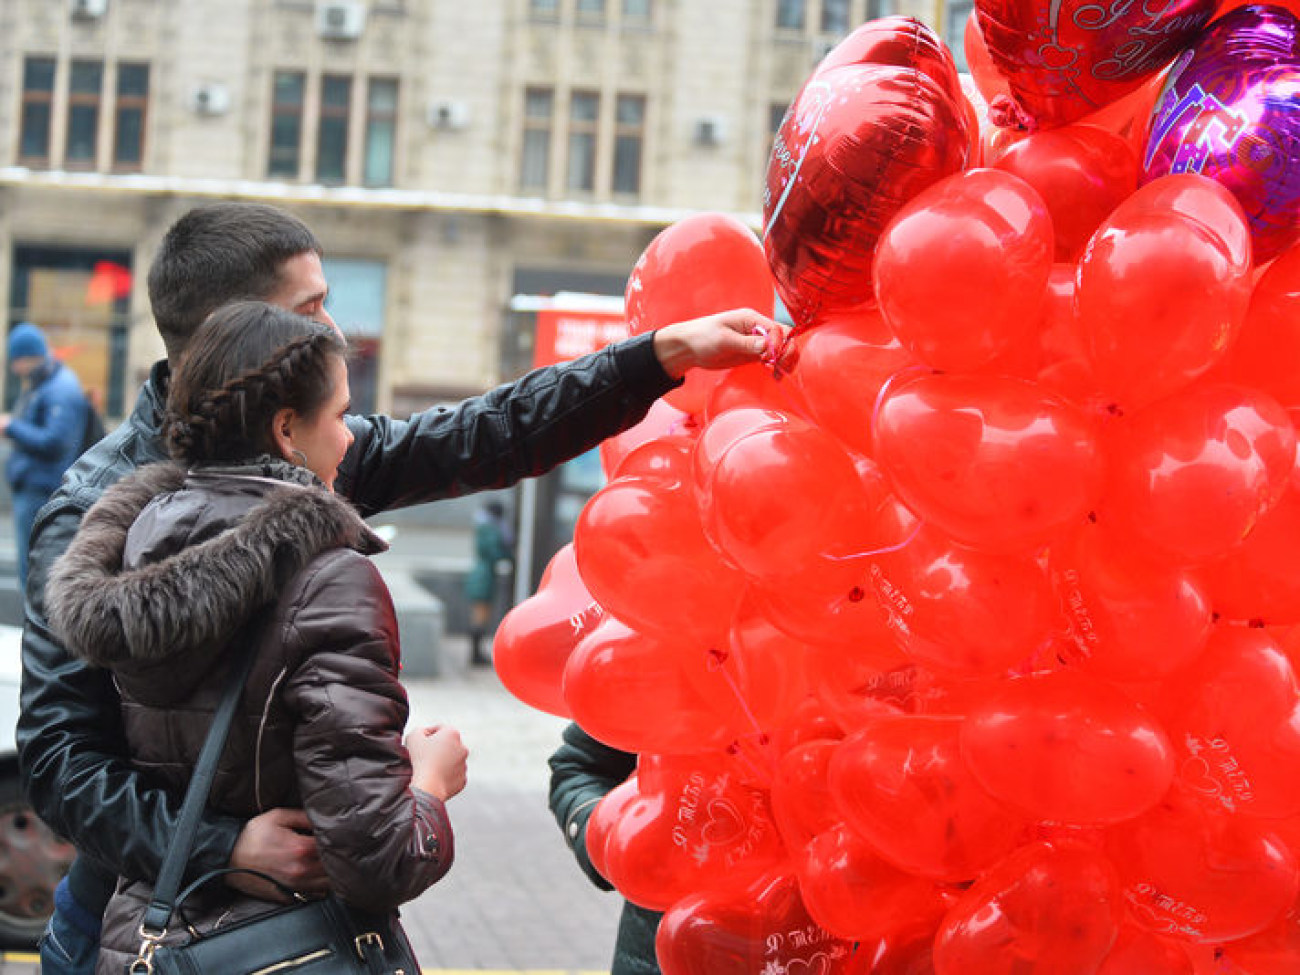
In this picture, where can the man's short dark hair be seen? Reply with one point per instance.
(217, 253)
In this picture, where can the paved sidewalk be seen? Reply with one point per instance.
(515, 900)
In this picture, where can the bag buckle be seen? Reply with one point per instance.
(143, 963)
(369, 939)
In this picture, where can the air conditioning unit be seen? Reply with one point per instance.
(449, 114)
(340, 20)
(710, 130)
(212, 99)
(88, 9)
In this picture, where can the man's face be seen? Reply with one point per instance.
(302, 288)
(25, 365)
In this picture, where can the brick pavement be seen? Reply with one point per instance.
(515, 901)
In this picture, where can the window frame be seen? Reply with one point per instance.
(537, 125)
(37, 97)
(587, 130)
(122, 102)
(625, 132)
(375, 117)
(83, 99)
(286, 110)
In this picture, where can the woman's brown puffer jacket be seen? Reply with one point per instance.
(172, 571)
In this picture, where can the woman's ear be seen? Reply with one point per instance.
(282, 427)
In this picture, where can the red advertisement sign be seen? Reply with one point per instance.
(564, 334)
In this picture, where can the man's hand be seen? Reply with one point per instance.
(279, 843)
(721, 341)
(5, 420)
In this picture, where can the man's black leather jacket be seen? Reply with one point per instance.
(74, 765)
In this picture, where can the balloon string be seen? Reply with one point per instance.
(717, 664)
(883, 550)
(773, 351)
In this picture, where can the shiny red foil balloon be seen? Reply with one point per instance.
(1229, 112)
(1068, 748)
(700, 265)
(1268, 347)
(1192, 475)
(961, 272)
(858, 142)
(763, 929)
(535, 638)
(1063, 59)
(1047, 909)
(995, 462)
(900, 783)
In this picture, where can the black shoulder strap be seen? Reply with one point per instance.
(159, 913)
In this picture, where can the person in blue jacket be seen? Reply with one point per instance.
(47, 428)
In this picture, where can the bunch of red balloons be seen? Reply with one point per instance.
(964, 640)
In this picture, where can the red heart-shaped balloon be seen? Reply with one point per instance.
(763, 929)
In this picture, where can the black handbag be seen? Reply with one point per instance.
(310, 937)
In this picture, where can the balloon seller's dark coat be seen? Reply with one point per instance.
(583, 770)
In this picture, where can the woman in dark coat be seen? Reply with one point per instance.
(242, 541)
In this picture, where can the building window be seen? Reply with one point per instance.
(887, 8)
(129, 115)
(835, 16)
(790, 14)
(38, 98)
(356, 302)
(591, 9)
(286, 123)
(381, 131)
(629, 140)
(636, 9)
(534, 171)
(584, 112)
(548, 9)
(956, 14)
(84, 93)
(332, 136)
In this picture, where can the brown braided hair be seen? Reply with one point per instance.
(247, 361)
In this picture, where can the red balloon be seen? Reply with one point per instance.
(1235, 721)
(801, 798)
(1127, 617)
(858, 143)
(693, 827)
(995, 462)
(764, 929)
(1065, 60)
(1129, 116)
(780, 498)
(702, 264)
(1274, 951)
(980, 63)
(643, 555)
(605, 816)
(854, 894)
(1163, 288)
(1139, 952)
(1198, 873)
(535, 638)
(1081, 172)
(725, 429)
(1194, 473)
(842, 365)
(900, 783)
(1068, 748)
(1048, 909)
(903, 42)
(663, 419)
(961, 271)
(1269, 344)
(1259, 579)
(962, 611)
(651, 681)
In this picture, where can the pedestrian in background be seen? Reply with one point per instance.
(494, 543)
(47, 427)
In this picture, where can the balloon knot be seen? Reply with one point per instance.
(1006, 114)
(857, 594)
(717, 658)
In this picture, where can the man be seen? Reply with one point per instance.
(47, 428)
(69, 734)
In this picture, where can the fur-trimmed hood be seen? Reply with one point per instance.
(213, 550)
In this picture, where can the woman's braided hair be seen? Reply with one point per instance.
(246, 362)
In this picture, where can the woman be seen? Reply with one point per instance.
(241, 541)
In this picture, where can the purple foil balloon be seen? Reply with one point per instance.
(1230, 110)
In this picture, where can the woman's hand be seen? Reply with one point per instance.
(438, 761)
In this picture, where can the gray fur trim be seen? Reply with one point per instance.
(200, 596)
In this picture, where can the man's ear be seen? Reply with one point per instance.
(282, 429)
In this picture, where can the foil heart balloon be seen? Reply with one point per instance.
(1230, 110)
(859, 141)
(1063, 59)
(763, 929)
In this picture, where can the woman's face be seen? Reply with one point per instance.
(323, 437)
